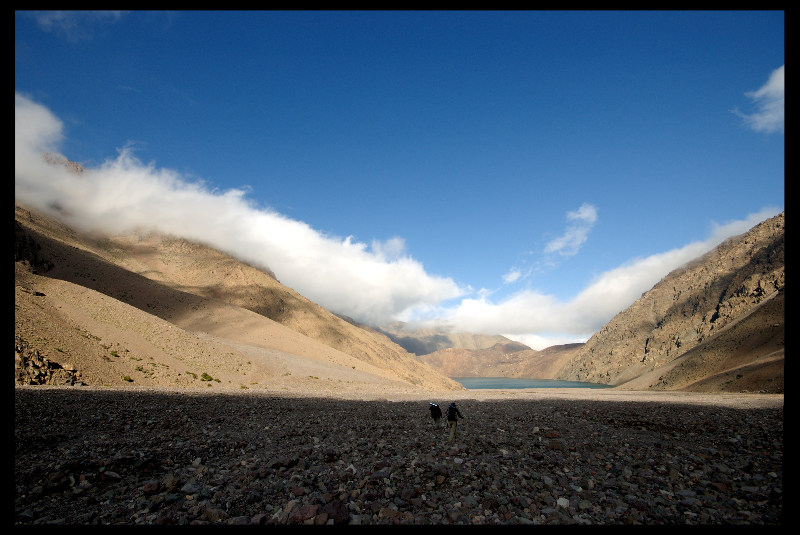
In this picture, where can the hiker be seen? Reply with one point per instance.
(436, 413)
(452, 414)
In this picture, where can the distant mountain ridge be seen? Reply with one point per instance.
(428, 340)
(513, 360)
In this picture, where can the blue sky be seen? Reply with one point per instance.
(523, 173)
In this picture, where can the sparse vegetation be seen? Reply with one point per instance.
(127, 378)
(207, 377)
(114, 354)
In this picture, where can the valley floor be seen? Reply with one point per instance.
(95, 455)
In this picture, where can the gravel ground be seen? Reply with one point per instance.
(155, 456)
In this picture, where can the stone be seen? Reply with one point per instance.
(302, 513)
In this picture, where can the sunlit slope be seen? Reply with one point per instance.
(208, 294)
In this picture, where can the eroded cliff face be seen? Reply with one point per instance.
(688, 307)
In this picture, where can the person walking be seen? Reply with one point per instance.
(436, 413)
(452, 418)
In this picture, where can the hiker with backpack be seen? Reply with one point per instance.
(452, 414)
(436, 413)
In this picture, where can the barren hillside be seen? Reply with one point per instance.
(157, 310)
(715, 324)
(501, 360)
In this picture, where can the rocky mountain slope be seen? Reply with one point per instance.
(148, 309)
(511, 359)
(714, 324)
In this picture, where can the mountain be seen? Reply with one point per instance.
(425, 341)
(151, 309)
(716, 324)
(501, 360)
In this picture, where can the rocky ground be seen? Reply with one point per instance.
(93, 455)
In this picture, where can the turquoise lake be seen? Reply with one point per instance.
(505, 382)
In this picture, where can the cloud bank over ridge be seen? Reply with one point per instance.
(373, 283)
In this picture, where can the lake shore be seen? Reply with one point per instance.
(504, 383)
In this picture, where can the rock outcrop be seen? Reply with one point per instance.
(32, 368)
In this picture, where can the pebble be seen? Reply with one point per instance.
(166, 459)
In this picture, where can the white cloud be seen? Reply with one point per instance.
(124, 194)
(539, 320)
(581, 222)
(373, 283)
(513, 275)
(74, 25)
(35, 128)
(769, 102)
(391, 249)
